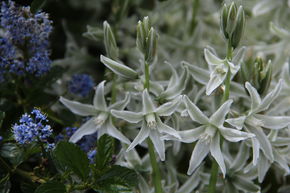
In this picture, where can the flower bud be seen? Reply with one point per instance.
(147, 40)
(224, 16)
(240, 25)
(151, 46)
(258, 73)
(143, 28)
(110, 42)
(231, 19)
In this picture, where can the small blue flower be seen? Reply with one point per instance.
(81, 85)
(91, 155)
(70, 131)
(49, 146)
(24, 47)
(32, 128)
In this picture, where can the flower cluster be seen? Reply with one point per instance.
(33, 127)
(24, 43)
(81, 85)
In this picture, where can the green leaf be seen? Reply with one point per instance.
(12, 153)
(51, 187)
(104, 154)
(36, 5)
(27, 187)
(2, 116)
(73, 157)
(118, 175)
(5, 184)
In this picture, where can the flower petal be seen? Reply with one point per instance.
(215, 151)
(199, 74)
(114, 132)
(263, 140)
(212, 59)
(218, 118)
(86, 129)
(263, 167)
(158, 144)
(99, 98)
(162, 128)
(245, 185)
(148, 105)
(256, 150)
(234, 135)
(79, 108)
(120, 105)
(168, 108)
(171, 92)
(200, 151)
(216, 79)
(255, 97)
(240, 160)
(132, 117)
(237, 122)
(269, 98)
(118, 68)
(273, 122)
(188, 136)
(194, 112)
(142, 135)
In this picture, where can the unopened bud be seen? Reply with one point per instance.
(224, 17)
(110, 42)
(231, 19)
(240, 25)
(151, 46)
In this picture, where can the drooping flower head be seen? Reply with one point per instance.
(24, 43)
(81, 85)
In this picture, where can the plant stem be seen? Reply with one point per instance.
(156, 173)
(215, 167)
(26, 175)
(147, 77)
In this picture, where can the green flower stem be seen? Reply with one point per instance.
(213, 176)
(147, 77)
(229, 51)
(156, 172)
(227, 86)
(215, 167)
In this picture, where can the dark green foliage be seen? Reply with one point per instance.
(73, 158)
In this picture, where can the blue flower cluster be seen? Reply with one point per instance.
(81, 85)
(33, 128)
(91, 155)
(24, 43)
